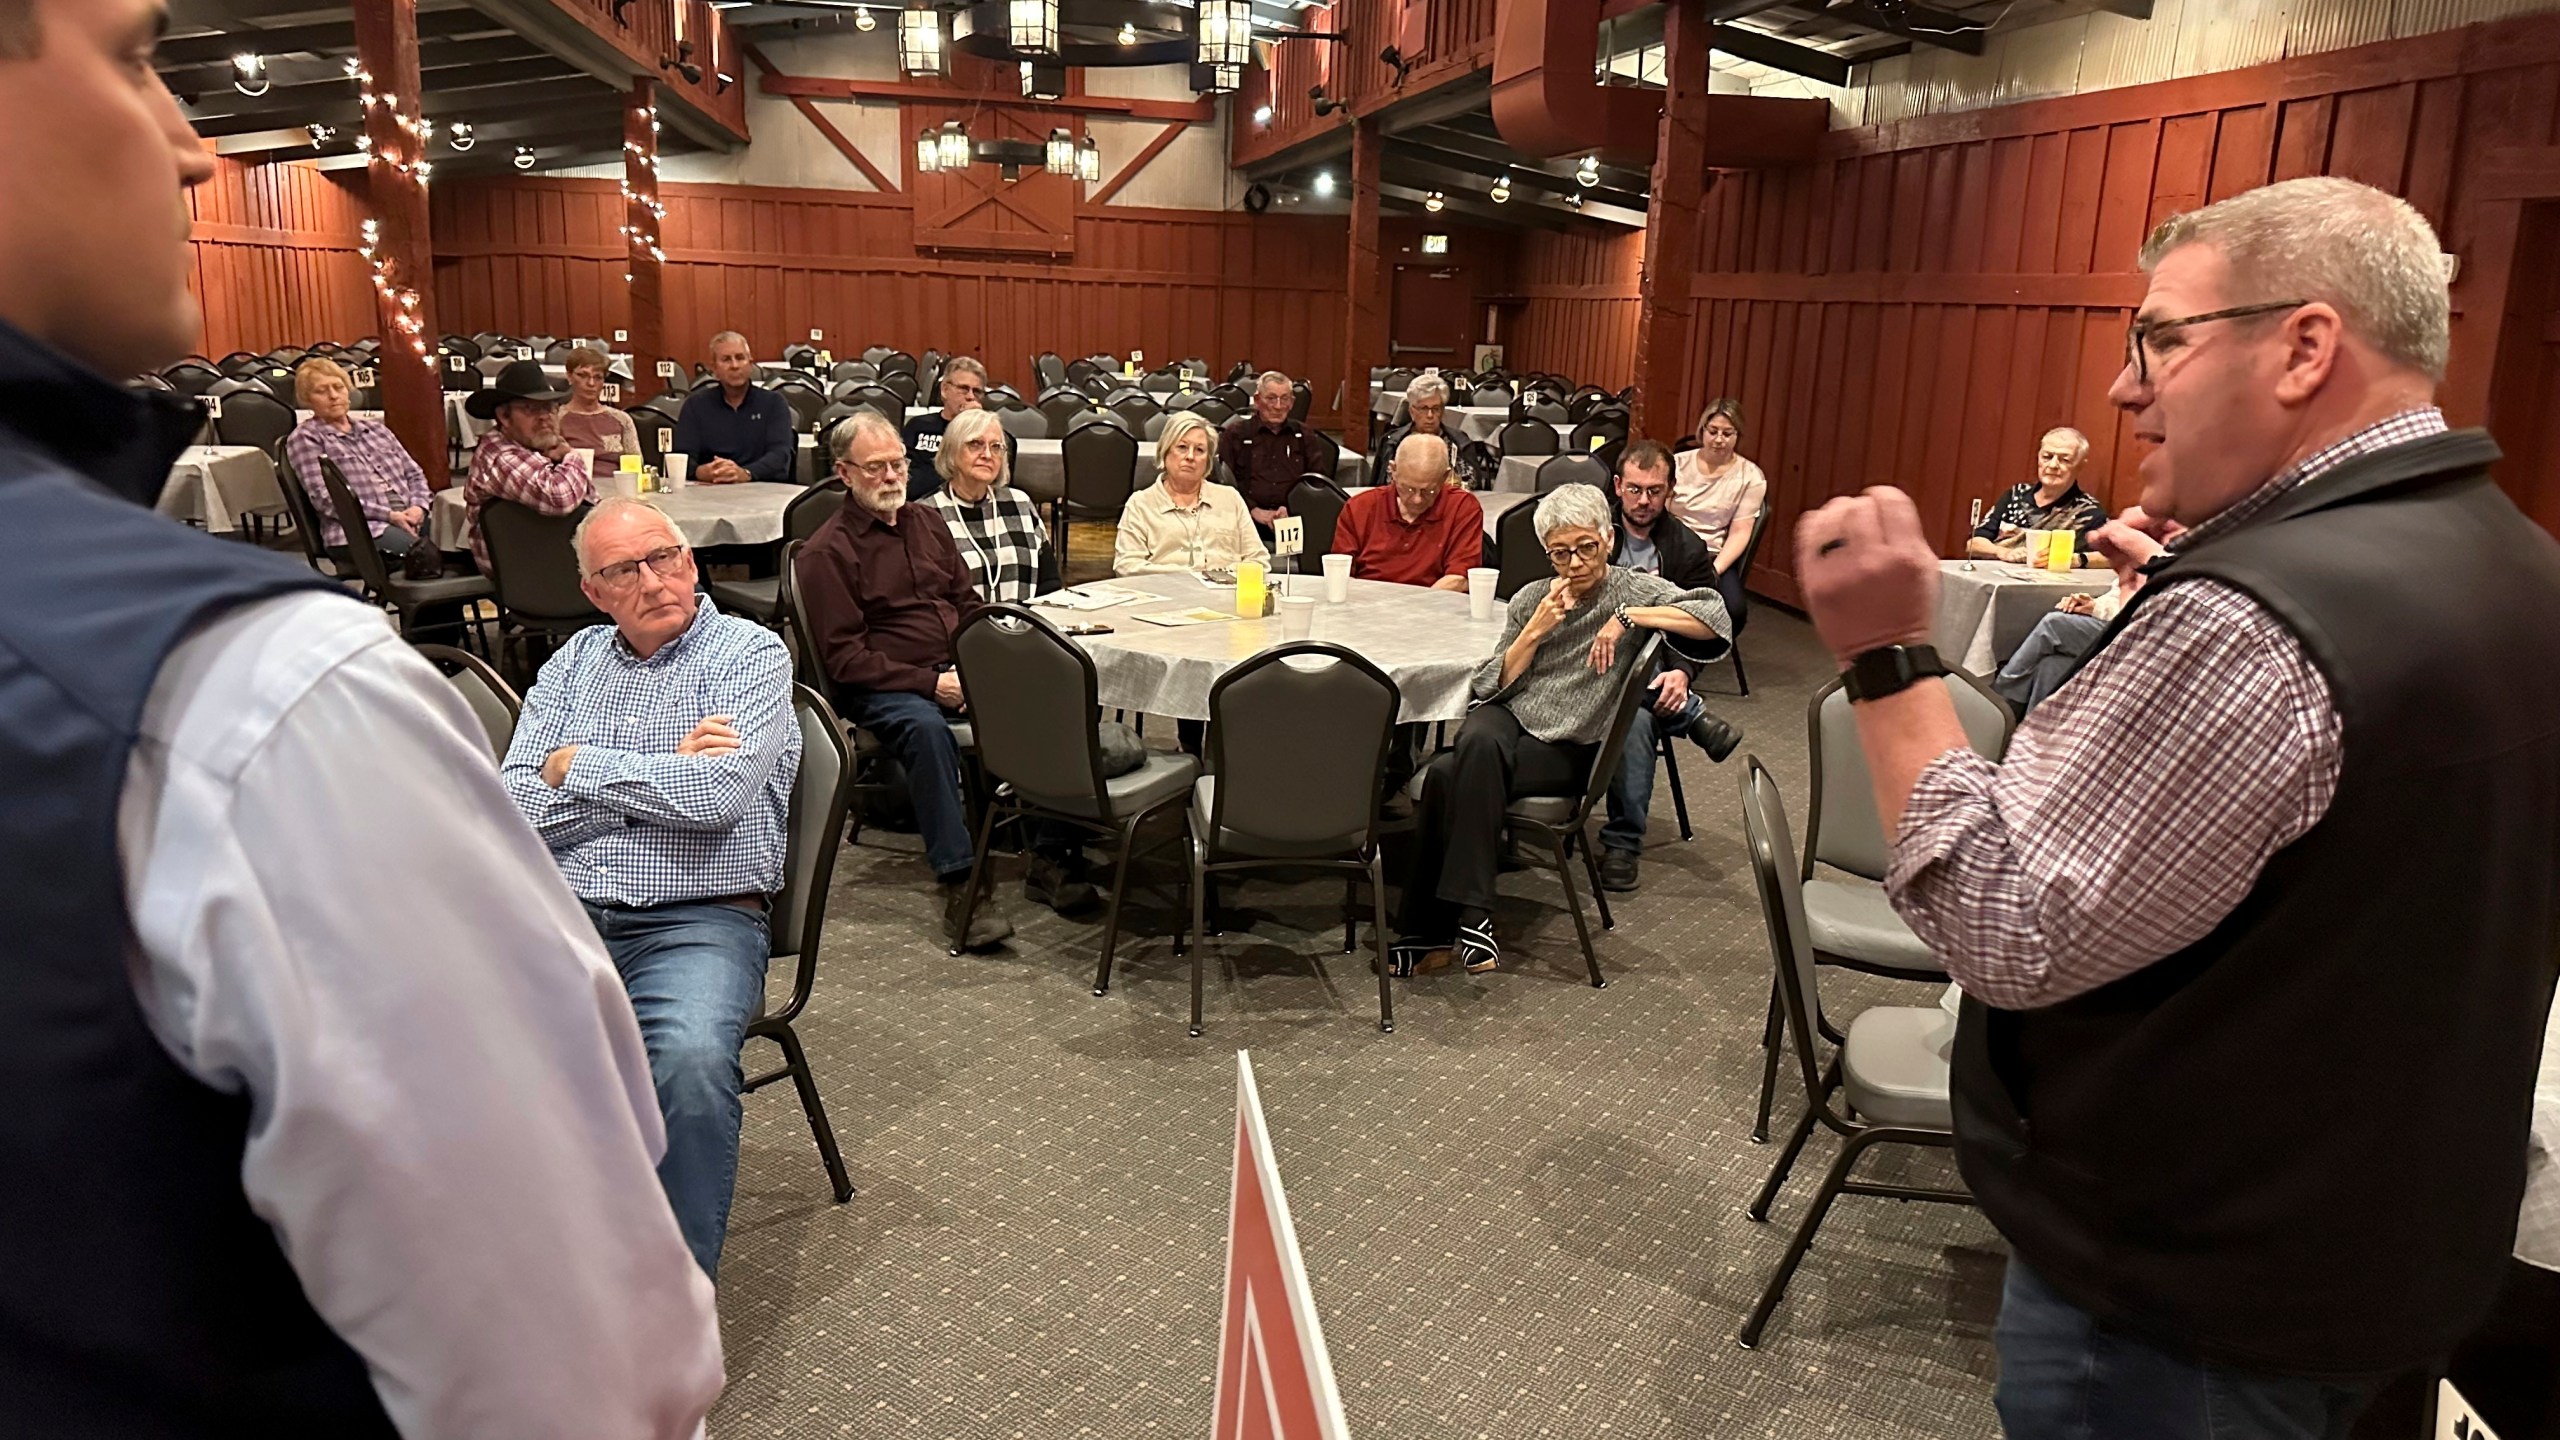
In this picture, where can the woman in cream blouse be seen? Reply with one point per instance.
(1185, 521)
(1717, 494)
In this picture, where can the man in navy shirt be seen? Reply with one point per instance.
(736, 433)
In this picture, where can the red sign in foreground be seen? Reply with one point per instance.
(1275, 1381)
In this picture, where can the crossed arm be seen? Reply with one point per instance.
(572, 791)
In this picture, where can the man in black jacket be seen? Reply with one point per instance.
(1649, 540)
(2246, 1059)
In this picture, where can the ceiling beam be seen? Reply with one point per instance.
(449, 55)
(1912, 21)
(1779, 54)
(328, 37)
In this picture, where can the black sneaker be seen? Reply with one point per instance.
(1617, 871)
(1058, 884)
(1476, 949)
(1715, 736)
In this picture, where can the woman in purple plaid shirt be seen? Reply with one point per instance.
(380, 474)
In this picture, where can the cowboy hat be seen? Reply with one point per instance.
(521, 380)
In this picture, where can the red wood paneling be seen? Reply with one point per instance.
(1440, 40)
(274, 257)
(1584, 293)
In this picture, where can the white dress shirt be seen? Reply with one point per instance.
(452, 1127)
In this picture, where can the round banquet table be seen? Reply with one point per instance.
(217, 484)
(1985, 612)
(1422, 638)
(706, 515)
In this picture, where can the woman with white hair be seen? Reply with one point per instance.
(995, 525)
(1545, 711)
(1186, 521)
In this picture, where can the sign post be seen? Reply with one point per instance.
(1275, 1379)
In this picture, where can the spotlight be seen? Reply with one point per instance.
(1128, 33)
(524, 157)
(863, 22)
(1501, 191)
(1434, 201)
(249, 75)
(1587, 174)
(320, 134)
(1574, 199)
(461, 136)
(1324, 104)
(1324, 182)
(1261, 114)
(723, 82)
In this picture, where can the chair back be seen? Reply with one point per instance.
(807, 402)
(1324, 455)
(1750, 549)
(305, 516)
(1844, 831)
(253, 417)
(1544, 408)
(897, 362)
(1061, 408)
(1033, 701)
(1528, 437)
(533, 563)
(492, 700)
(1316, 500)
(813, 830)
(1571, 468)
(361, 551)
(1023, 424)
(1494, 394)
(1781, 885)
(1476, 464)
(1101, 469)
(1160, 382)
(812, 508)
(1049, 370)
(1631, 693)
(1517, 552)
(904, 385)
(805, 669)
(1084, 418)
(1232, 396)
(1302, 398)
(1586, 400)
(1213, 410)
(854, 370)
(1298, 739)
(876, 398)
(1135, 406)
(1079, 371)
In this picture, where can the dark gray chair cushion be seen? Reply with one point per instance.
(1163, 776)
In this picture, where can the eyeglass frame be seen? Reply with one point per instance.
(2137, 336)
(866, 471)
(661, 563)
(1587, 551)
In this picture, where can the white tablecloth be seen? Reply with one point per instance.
(1494, 502)
(217, 484)
(1985, 613)
(1422, 638)
(705, 515)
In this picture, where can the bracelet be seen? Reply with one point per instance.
(1625, 622)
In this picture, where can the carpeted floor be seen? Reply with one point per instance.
(1522, 1212)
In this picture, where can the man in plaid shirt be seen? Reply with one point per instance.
(522, 457)
(995, 525)
(2256, 918)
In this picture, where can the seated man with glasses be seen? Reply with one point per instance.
(964, 388)
(1419, 530)
(656, 756)
(884, 588)
(2051, 501)
(1547, 696)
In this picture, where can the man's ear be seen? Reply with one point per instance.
(2311, 337)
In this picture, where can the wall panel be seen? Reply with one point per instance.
(273, 257)
(1580, 292)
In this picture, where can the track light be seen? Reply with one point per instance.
(722, 83)
(1574, 200)
(1324, 182)
(1325, 105)
(1128, 33)
(863, 22)
(1587, 174)
(1434, 201)
(524, 157)
(249, 75)
(1501, 191)
(461, 136)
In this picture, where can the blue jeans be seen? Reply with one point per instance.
(918, 732)
(2066, 1375)
(2046, 658)
(695, 973)
(1631, 794)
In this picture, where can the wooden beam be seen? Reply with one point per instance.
(1671, 224)
(827, 87)
(1137, 163)
(646, 244)
(1780, 54)
(1364, 330)
(412, 391)
(1925, 24)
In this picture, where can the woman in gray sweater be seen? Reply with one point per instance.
(1543, 711)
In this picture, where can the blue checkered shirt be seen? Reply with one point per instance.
(635, 823)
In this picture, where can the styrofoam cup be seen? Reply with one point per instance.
(1297, 617)
(1337, 578)
(1481, 580)
(676, 467)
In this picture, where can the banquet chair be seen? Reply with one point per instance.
(1542, 407)
(1301, 399)
(760, 597)
(1023, 424)
(1528, 437)
(1049, 370)
(1563, 822)
(407, 599)
(903, 384)
(808, 669)
(1517, 551)
(1849, 922)
(1571, 468)
(876, 397)
(897, 362)
(820, 796)
(1135, 406)
(1742, 566)
(1033, 700)
(305, 518)
(853, 370)
(1099, 465)
(1061, 408)
(1324, 456)
(191, 378)
(807, 401)
(1231, 396)
(533, 570)
(1213, 410)
(1886, 1082)
(1079, 371)
(1296, 759)
(657, 413)
(1316, 500)
(1492, 395)
(493, 701)
(255, 418)
(1083, 418)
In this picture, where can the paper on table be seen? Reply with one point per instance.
(1197, 615)
(1092, 597)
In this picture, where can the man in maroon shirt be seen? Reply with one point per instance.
(1419, 530)
(884, 589)
(1265, 450)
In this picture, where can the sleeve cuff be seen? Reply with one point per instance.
(590, 770)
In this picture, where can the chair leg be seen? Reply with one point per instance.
(978, 880)
(1591, 868)
(1573, 902)
(1773, 1031)
(1739, 677)
(1111, 921)
(1679, 797)
(1378, 940)
(1758, 1209)
(815, 1109)
(1830, 1191)
(1351, 915)
(1199, 940)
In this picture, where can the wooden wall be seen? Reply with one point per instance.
(1576, 316)
(274, 257)
(541, 254)
(1441, 39)
(1915, 307)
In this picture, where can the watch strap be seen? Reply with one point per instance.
(1889, 670)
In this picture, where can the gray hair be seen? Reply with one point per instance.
(840, 439)
(1179, 424)
(1269, 378)
(2079, 442)
(1421, 445)
(1426, 387)
(1572, 507)
(958, 363)
(606, 509)
(965, 427)
(725, 337)
(2369, 255)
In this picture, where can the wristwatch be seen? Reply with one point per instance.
(1889, 669)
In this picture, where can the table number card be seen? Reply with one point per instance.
(213, 406)
(612, 394)
(2455, 1419)
(666, 440)
(454, 363)
(524, 352)
(364, 379)
(1288, 536)
(666, 369)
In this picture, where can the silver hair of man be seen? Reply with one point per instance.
(1179, 424)
(2079, 442)
(968, 425)
(958, 363)
(863, 420)
(1572, 507)
(1269, 378)
(728, 337)
(2369, 255)
(605, 510)
(1426, 387)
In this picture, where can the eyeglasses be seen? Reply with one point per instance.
(1633, 491)
(878, 469)
(1561, 555)
(2142, 338)
(666, 562)
(957, 387)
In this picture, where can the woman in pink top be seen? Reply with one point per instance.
(1717, 494)
(587, 423)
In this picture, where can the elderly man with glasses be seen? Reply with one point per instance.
(1426, 407)
(1418, 530)
(656, 756)
(964, 388)
(1265, 450)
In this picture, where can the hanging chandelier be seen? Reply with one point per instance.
(1061, 153)
(1214, 38)
(920, 47)
(1031, 26)
(1088, 160)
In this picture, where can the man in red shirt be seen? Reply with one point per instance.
(1417, 531)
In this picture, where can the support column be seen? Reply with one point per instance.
(397, 240)
(1364, 330)
(1671, 226)
(645, 260)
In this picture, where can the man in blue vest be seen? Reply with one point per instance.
(321, 1110)
(2246, 1060)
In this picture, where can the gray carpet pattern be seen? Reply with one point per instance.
(1522, 1212)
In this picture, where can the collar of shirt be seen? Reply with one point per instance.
(1207, 501)
(2399, 429)
(125, 440)
(704, 614)
(861, 519)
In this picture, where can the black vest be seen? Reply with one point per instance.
(2298, 1145)
(139, 1296)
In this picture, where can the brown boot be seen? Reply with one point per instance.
(987, 925)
